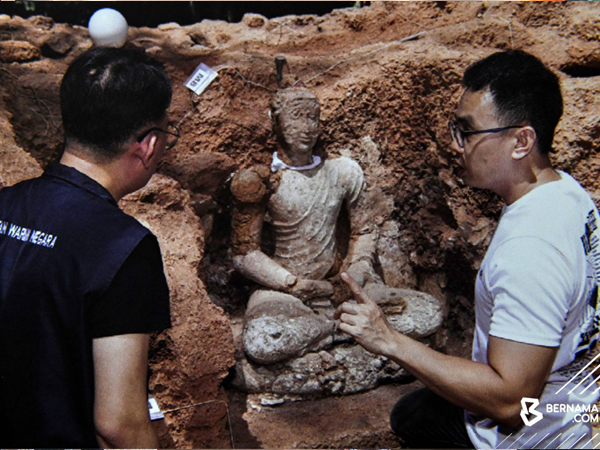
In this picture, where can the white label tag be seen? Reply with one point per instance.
(154, 409)
(201, 78)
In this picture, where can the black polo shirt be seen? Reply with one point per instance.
(73, 267)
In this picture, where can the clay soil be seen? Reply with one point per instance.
(388, 78)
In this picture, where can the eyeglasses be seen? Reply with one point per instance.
(172, 133)
(459, 135)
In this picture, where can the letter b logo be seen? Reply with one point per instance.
(525, 411)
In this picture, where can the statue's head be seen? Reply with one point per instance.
(295, 113)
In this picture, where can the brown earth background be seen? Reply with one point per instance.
(388, 78)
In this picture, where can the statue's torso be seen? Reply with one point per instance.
(304, 212)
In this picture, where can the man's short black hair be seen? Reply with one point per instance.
(525, 91)
(108, 94)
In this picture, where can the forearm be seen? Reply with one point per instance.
(493, 389)
(475, 387)
(362, 247)
(363, 232)
(361, 256)
(258, 267)
(121, 404)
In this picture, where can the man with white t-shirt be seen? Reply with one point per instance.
(536, 292)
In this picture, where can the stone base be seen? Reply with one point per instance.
(341, 370)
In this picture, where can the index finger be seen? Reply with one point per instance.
(357, 291)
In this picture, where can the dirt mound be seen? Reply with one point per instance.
(388, 78)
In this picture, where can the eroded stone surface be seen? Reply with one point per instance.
(278, 327)
(341, 370)
(420, 316)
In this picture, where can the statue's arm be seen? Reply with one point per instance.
(258, 267)
(362, 250)
(250, 189)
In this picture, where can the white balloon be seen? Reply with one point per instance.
(108, 28)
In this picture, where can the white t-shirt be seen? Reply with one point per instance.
(538, 285)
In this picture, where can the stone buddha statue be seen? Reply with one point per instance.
(301, 198)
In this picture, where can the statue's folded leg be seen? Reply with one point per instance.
(410, 312)
(279, 326)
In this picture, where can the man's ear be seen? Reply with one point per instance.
(525, 143)
(146, 150)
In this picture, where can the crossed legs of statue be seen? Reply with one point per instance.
(279, 326)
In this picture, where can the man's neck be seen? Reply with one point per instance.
(534, 177)
(103, 173)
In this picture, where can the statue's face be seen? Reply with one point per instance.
(299, 125)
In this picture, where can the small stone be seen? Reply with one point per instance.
(271, 400)
(58, 45)
(42, 22)
(254, 20)
(169, 26)
(154, 50)
(18, 51)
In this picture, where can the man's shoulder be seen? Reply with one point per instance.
(13, 197)
(61, 208)
(5, 190)
(561, 200)
(555, 213)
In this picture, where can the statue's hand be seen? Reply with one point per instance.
(309, 289)
(362, 272)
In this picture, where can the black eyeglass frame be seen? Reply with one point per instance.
(169, 125)
(459, 135)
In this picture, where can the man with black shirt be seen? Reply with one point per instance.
(81, 283)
